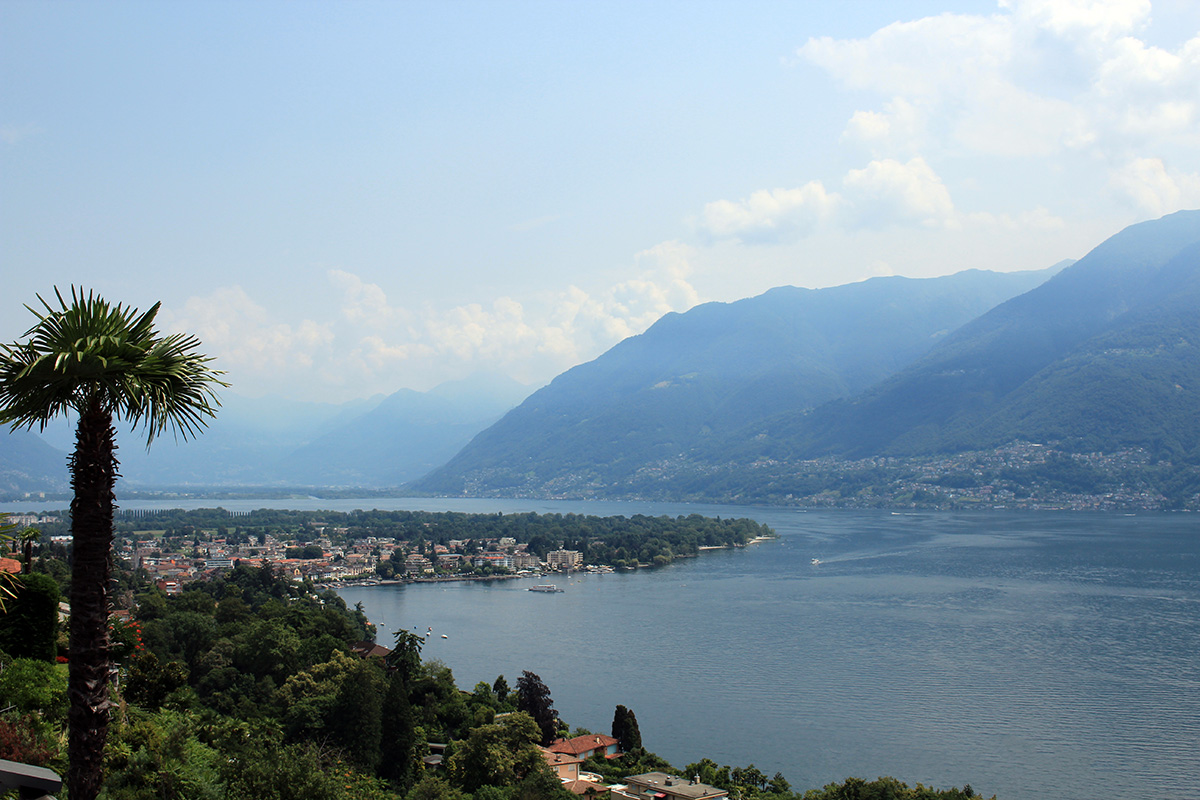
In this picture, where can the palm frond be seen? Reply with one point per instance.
(89, 350)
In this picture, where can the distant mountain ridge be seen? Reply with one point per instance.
(701, 376)
(279, 442)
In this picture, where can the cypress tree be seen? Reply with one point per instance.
(625, 730)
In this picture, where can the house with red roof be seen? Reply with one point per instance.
(586, 746)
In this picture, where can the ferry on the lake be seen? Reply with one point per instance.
(545, 587)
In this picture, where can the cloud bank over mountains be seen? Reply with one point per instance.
(366, 340)
(528, 228)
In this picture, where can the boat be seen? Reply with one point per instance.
(444, 636)
(816, 561)
(545, 587)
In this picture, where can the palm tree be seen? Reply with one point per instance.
(101, 362)
(27, 537)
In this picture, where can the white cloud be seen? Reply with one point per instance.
(1038, 220)
(1153, 188)
(365, 303)
(895, 129)
(887, 192)
(1040, 78)
(369, 345)
(921, 61)
(770, 214)
(245, 335)
(1102, 19)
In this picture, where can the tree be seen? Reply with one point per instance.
(625, 730)
(533, 697)
(500, 754)
(405, 657)
(101, 362)
(29, 629)
(500, 687)
(358, 726)
(28, 536)
(398, 745)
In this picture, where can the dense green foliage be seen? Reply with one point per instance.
(533, 698)
(625, 730)
(29, 628)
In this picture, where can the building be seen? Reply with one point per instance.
(493, 559)
(669, 787)
(564, 559)
(564, 766)
(525, 561)
(592, 744)
(417, 564)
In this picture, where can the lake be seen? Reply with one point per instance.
(1031, 655)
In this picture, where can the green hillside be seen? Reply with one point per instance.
(1101, 356)
(701, 376)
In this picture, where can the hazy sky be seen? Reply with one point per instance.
(348, 198)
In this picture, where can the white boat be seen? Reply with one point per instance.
(545, 587)
(444, 636)
(816, 561)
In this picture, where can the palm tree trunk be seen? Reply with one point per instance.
(93, 477)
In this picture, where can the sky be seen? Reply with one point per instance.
(346, 199)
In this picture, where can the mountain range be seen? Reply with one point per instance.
(1099, 356)
(708, 374)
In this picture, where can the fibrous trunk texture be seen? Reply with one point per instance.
(93, 477)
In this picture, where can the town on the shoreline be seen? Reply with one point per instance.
(173, 548)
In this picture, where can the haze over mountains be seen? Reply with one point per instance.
(705, 375)
(278, 442)
(1096, 356)
(1101, 357)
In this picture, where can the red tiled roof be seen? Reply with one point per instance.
(582, 744)
(10, 565)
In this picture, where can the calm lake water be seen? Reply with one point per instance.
(1030, 655)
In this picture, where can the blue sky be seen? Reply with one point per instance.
(343, 199)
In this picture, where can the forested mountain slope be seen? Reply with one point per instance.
(700, 376)
(1104, 355)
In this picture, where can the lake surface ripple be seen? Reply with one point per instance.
(1031, 655)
